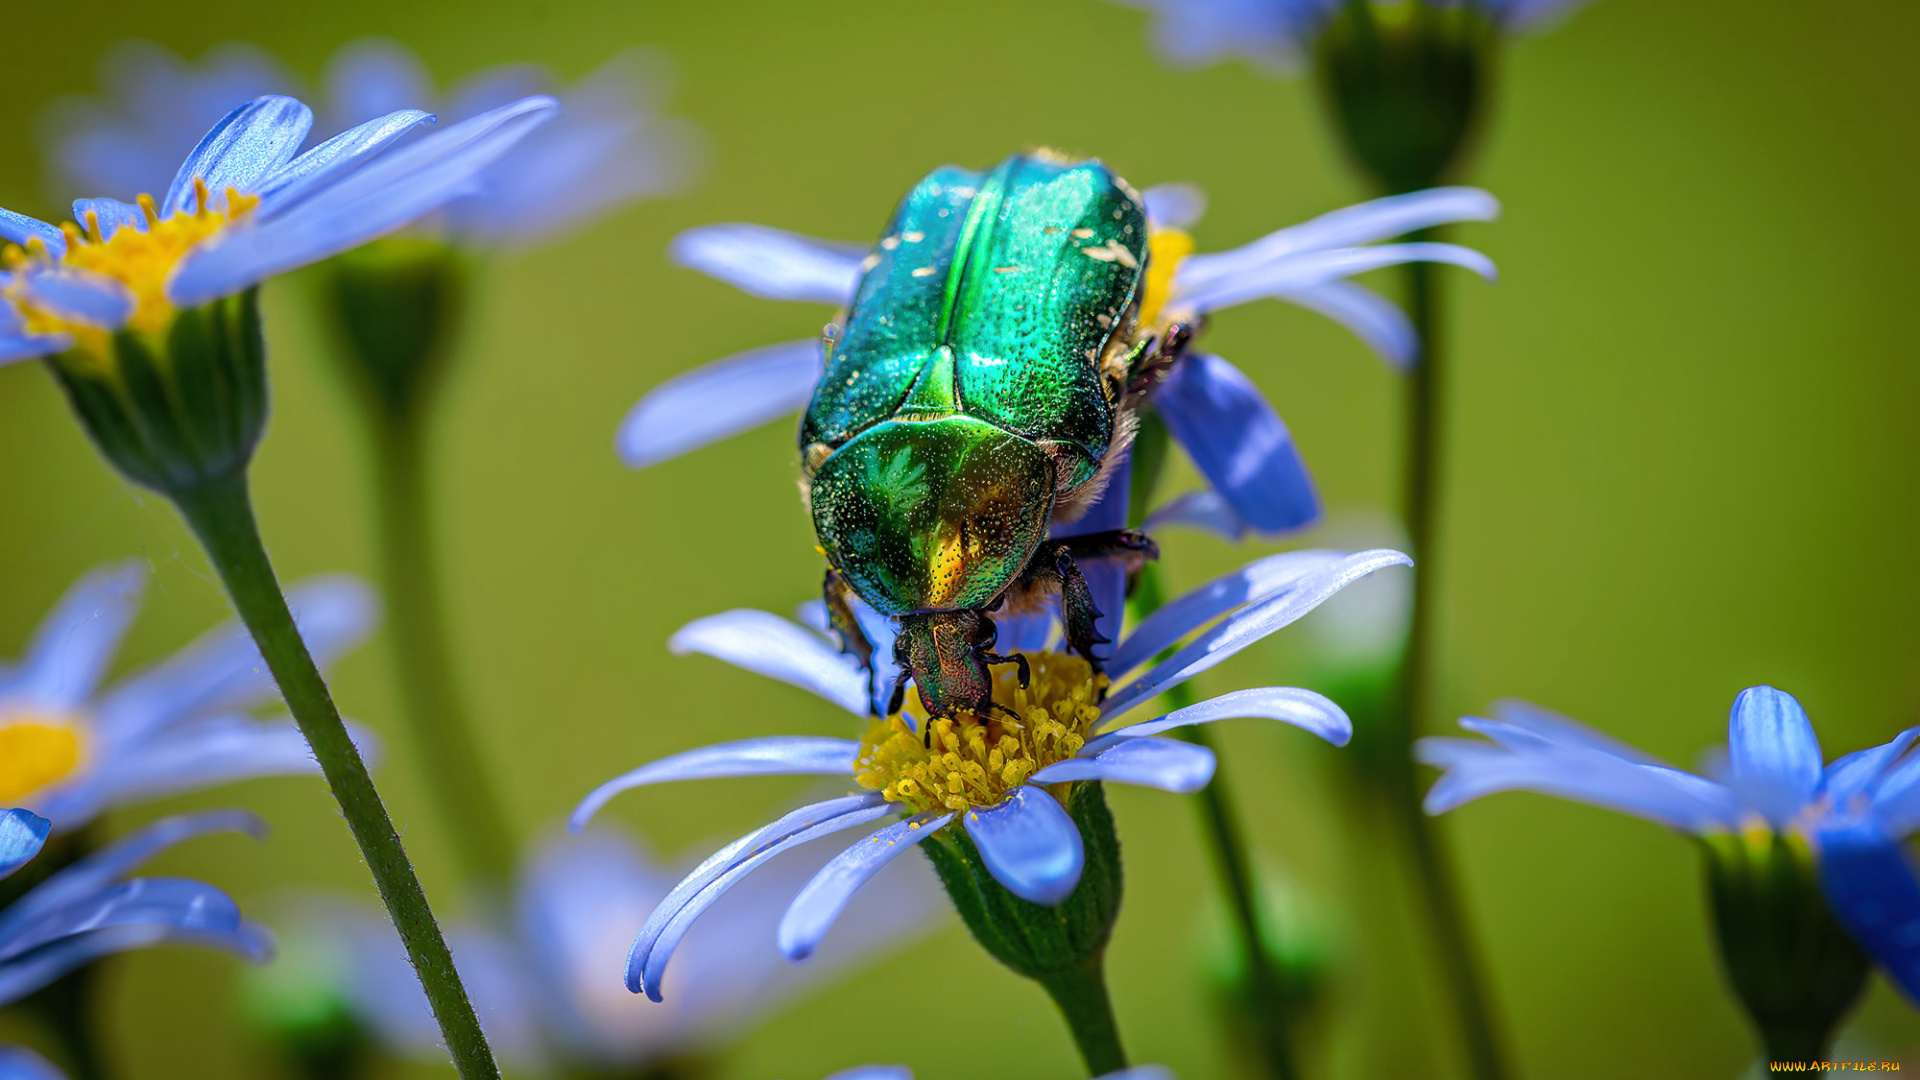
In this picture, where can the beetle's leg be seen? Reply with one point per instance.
(1058, 562)
(1166, 352)
(1131, 544)
(1026, 673)
(853, 640)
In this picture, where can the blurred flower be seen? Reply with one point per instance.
(608, 146)
(69, 749)
(1278, 33)
(241, 208)
(1236, 439)
(89, 910)
(1774, 817)
(546, 992)
(989, 772)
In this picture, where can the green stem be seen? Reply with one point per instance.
(1227, 845)
(1433, 876)
(455, 772)
(1081, 994)
(221, 514)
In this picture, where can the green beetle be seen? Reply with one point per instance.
(976, 393)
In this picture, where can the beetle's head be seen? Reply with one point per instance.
(942, 650)
(932, 515)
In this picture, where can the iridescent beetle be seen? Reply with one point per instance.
(978, 391)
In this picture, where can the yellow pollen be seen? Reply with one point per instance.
(142, 261)
(973, 760)
(1166, 250)
(35, 750)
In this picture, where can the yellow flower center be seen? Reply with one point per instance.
(1166, 250)
(35, 750)
(969, 760)
(141, 261)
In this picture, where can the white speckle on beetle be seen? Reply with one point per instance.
(913, 237)
(925, 271)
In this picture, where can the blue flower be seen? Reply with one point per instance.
(997, 778)
(542, 991)
(1234, 436)
(244, 205)
(70, 749)
(91, 909)
(1279, 33)
(607, 147)
(1852, 812)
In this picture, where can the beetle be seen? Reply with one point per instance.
(978, 390)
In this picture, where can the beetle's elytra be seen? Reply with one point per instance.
(973, 394)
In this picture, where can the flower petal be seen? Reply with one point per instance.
(23, 230)
(14, 347)
(22, 834)
(111, 215)
(391, 191)
(222, 669)
(1191, 610)
(247, 144)
(20, 1063)
(669, 923)
(1289, 704)
(325, 163)
(719, 400)
(1308, 269)
(1349, 226)
(770, 645)
(874, 1072)
(207, 752)
(1873, 889)
(1244, 627)
(1774, 758)
(31, 971)
(1863, 771)
(97, 871)
(772, 263)
(81, 296)
(1374, 319)
(1669, 796)
(78, 639)
(1565, 731)
(1206, 510)
(774, 755)
(1237, 442)
(820, 902)
(1174, 206)
(373, 77)
(146, 901)
(1168, 764)
(1029, 844)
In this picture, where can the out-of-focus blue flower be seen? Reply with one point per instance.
(1278, 33)
(608, 146)
(70, 749)
(547, 994)
(1852, 812)
(1068, 732)
(91, 909)
(244, 205)
(1234, 436)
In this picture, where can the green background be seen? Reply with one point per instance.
(1685, 460)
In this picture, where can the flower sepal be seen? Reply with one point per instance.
(1794, 968)
(397, 303)
(1406, 86)
(175, 411)
(1040, 942)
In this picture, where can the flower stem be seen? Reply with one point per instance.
(1081, 993)
(455, 771)
(1433, 874)
(1227, 844)
(221, 514)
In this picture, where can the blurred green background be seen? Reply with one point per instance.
(1685, 460)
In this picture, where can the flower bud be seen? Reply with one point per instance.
(176, 409)
(397, 304)
(1794, 968)
(1038, 942)
(1405, 84)
(298, 1005)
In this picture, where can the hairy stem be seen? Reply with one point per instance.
(1081, 994)
(1433, 873)
(221, 514)
(455, 772)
